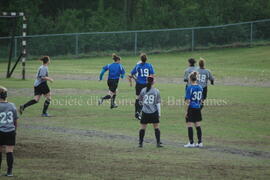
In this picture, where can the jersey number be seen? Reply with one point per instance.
(149, 99)
(202, 77)
(6, 117)
(144, 72)
(197, 95)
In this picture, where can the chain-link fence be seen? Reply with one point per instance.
(149, 41)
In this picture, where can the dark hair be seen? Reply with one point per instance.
(192, 61)
(201, 63)
(143, 57)
(115, 57)
(3, 93)
(193, 76)
(150, 82)
(45, 59)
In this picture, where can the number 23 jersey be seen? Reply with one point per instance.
(194, 94)
(8, 115)
(149, 100)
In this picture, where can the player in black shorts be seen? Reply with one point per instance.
(116, 70)
(151, 110)
(8, 126)
(41, 87)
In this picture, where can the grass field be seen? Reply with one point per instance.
(86, 141)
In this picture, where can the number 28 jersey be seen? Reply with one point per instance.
(8, 115)
(194, 94)
(149, 100)
(143, 70)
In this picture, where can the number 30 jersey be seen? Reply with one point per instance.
(142, 70)
(149, 100)
(8, 116)
(194, 94)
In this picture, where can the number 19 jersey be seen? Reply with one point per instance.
(8, 115)
(194, 94)
(143, 70)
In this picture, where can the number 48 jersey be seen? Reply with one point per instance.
(149, 100)
(194, 94)
(8, 116)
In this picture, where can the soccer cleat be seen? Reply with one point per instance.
(21, 109)
(45, 115)
(199, 145)
(9, 175)
(100, 101)
(159, 145)
(113, 106)
(138, 116)
(140, 145)
(188, 145)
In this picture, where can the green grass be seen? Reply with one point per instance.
(240, 122)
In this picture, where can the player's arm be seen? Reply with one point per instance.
(186, 76)
(159, 104)
(211, 78)
(15, 117)
(102, 72)
(123, 72)
(151, 70)
(187, 101)
(43, 75)
(47, 78)
(132, 75)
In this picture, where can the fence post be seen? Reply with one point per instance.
(251, 34)
(15, 48)
(135, 44)
(77, 45)
(192, 39)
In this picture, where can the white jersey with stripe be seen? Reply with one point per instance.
(204, 76)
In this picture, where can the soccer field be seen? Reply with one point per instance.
(86, 141)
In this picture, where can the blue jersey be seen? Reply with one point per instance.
(194, 94)
(115, 71)
(142, 70)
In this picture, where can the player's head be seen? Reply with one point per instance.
(193, 76)
(201, 63)
(150, 82)
(115, 57)
(191, 61)
(3, 93)
(143, 57)
(45, 59)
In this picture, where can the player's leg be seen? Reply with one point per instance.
(141, 134)
(10, 159)
(46, 104)
(30, 103)
(157, 134)
(199, 134)
(190, 135)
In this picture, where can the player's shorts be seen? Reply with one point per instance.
(43, 88)
(194, 115)
(7, 138)
(139, 88)
(150, 118)
(204, 93)
(113, 84)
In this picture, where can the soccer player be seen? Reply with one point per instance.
(140, 73)
(203, 77)
(193, 115)
(116, 70)
(151, 110)
(8, 125)
(189, 70)
(41, 87)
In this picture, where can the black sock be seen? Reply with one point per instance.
(29, 103)
(0, 159)
(106, 97)
(46, 105)
(190, 135)
(137, 105)
(157, 134)
(113, 99)
(199, 134)
(141, 135)
(10, 162)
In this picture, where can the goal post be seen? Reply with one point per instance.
(13, 16)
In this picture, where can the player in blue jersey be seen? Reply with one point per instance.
(116, 70)
(8, 126)
(140, 72)
(193, 113)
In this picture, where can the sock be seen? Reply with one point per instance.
(0, 159)
(29, 103)
(141, 135)
(10, 162)
(190, 134)
(46, 105)
(199, 134)
(113, 99)
(137, 105)
(157, 134)
(106, 97)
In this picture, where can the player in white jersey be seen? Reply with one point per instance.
(8, 125)
(150, 100)
(189, 70)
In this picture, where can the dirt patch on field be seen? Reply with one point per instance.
(100, 134)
